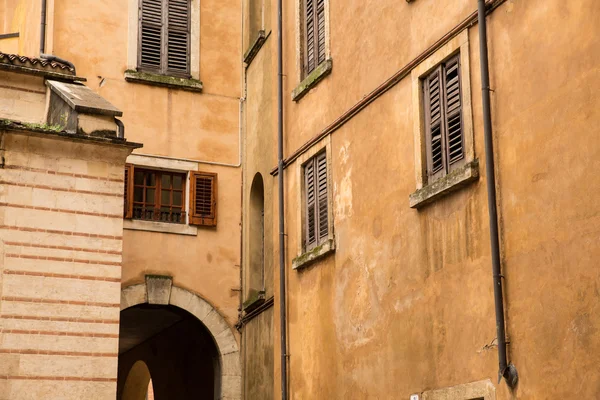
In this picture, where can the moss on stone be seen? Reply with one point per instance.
(312, 79)
(255, 298)
(31, 126)
(163, 80)
(313, 255)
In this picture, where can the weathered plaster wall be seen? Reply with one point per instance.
(60, 269)
(260, 154)
(406, 303)
(174, 123)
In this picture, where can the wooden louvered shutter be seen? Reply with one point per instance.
(320, 31)
(316, 187)
(310, 56)
(434, 124)
(311, 205)
(128, 192)
(203, 199)
(178, 37)
(151, 35)
(321, 175)
(453, 112)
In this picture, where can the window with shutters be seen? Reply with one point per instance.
(316, 201)
(314, 34)
(314, 60)
(160, 196)
(164, 37)
(443, 124)
(443, 118)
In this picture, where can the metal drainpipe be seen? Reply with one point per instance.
(282, 294)
(43, 29)
(50, 57)
(509, 372)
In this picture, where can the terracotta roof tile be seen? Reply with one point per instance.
(35, 63)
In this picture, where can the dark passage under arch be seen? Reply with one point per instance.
(179, 352)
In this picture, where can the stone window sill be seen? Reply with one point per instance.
(173, 82)
(261, 38)
(311, 80)
(314, 255)
(453, 181)
(255, 299)
(163, 227)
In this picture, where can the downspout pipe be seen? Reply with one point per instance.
(509, 372)
(43, 41)
(121, 126)
(282, 269)
(43, 29)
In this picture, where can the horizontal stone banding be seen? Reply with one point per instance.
(61, 210)
(55, 189)
(51, 172)
(19, 89)
(58, 232)
(56, 378)
(63, 259)
(50, 301)
(57, 353)
(61, 319)
(60, 333)
(83, 249)
(61, 276)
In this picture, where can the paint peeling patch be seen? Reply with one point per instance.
(344, 153)
(343, 197)
(406, 303)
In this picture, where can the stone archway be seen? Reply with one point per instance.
(159, 290)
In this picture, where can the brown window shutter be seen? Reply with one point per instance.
(310, 51)
(320, 31)
(203, 199)
(178, 36)
(151, 34)
(453, 111)
(311, 205)
(434, 126)
(128, 192)
(323, 220)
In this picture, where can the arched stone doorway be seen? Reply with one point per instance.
(177, 327)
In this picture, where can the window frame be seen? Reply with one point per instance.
(164, 51)
(133, 39)
(158, 194)
(447, 164)
(307, 80)
(430, 189)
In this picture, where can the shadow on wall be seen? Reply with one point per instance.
(170, 348)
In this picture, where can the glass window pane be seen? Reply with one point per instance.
(150, 196)
(177, 198)
(150, 179)
(138, 194)
(166, 181)
(165, 197)
(138, 178)
(177, 182)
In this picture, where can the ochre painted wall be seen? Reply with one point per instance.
(174, 123)
(405, 305)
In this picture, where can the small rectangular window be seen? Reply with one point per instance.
(314, 34)
(443, 118)
(164, 43)
(316, 201)
(154, 195)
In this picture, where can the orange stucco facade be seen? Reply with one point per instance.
(401, 302)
